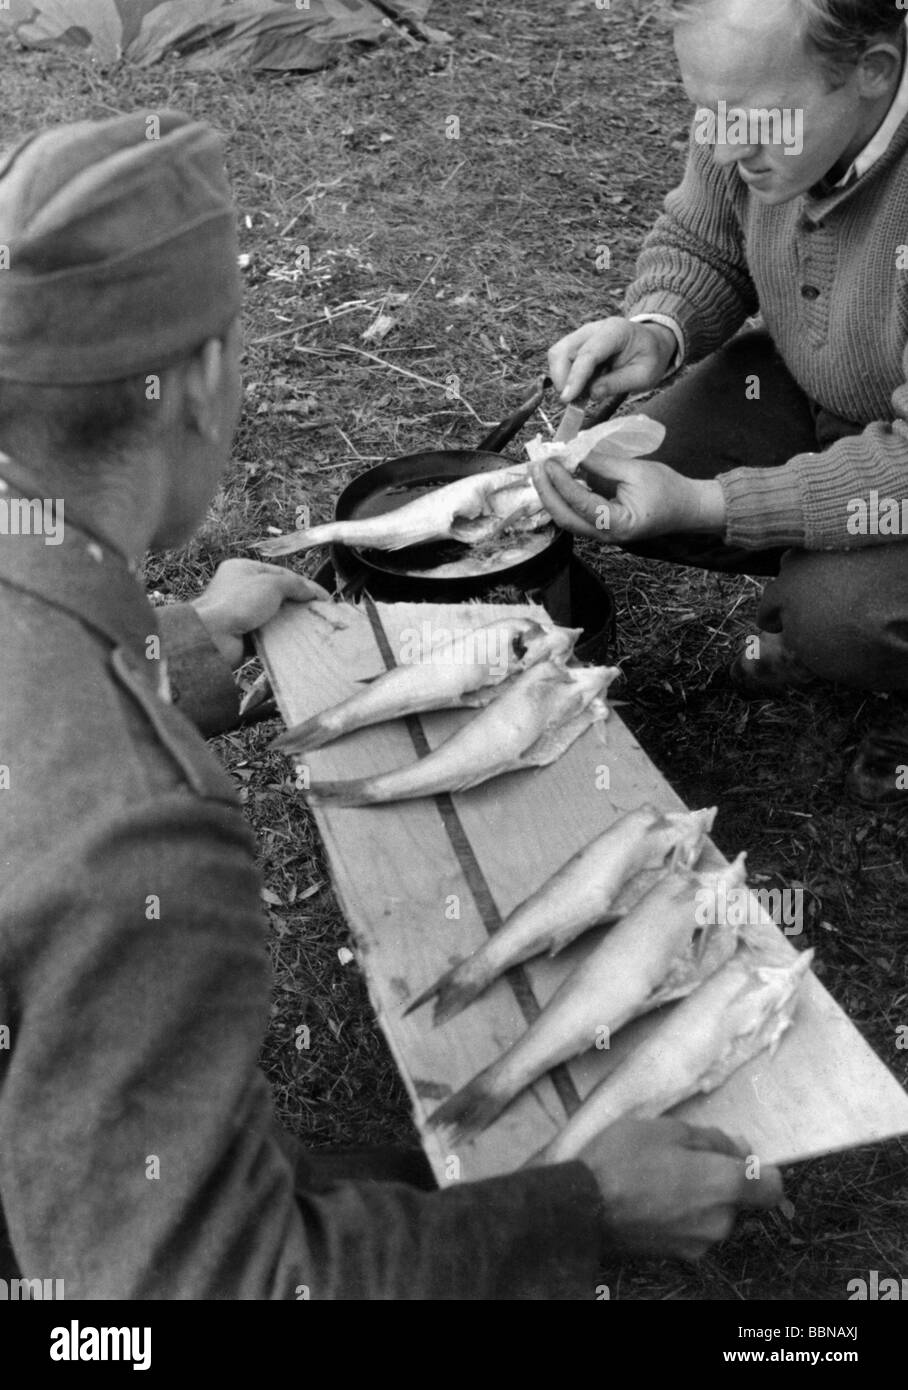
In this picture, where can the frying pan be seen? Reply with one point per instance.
(385, 486)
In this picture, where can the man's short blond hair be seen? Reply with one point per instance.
(837, 31)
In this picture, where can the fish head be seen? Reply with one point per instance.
(691, 828)
(591, 682)
(733, 875)
(541, 642)
(766, 1003)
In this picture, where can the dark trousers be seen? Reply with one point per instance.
(843, 613)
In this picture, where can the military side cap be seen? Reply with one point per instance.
(118, 249)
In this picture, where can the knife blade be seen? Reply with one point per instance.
(570, 424)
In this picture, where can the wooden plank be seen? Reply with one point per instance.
(419, 882)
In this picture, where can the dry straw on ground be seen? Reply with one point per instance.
(351, 195)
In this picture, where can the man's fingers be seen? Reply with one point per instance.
(715, 1140)
(295, 587)
(563, 355)
(600, 467)
(738, 1181)
(558, 494)
(767, 1190)
(560, 357)
(622, 381)
(584, 367)
(307, 590)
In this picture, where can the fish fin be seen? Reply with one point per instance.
(476, 779)
(554, 742)
(354, 792)
(560, 939)
(472, 1108)
(629, 436)
(288, 544)
(258, 693)
(478, 699)
(301, 738)
(395, 542)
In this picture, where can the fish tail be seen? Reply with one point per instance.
(302, 738)
(560, 939)
(473, 1107)
(426, 995)
(456, 988)
(291, 542)
(456, 991)
(356, 791)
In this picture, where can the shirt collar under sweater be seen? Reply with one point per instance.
(880, 142)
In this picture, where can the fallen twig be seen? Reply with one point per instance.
(414, 376)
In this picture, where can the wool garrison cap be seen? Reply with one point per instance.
(118, 249)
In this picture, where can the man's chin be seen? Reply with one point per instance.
(771, 196)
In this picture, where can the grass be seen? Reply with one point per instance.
(352, 193)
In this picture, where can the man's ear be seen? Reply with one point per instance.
(878, 70)
(202, 381)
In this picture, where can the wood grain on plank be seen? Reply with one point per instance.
(402, 887)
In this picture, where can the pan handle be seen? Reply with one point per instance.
(597, 415)
(503, 434)
(353, 588)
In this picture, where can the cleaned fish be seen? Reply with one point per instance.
(744, 1007)
(576, 897)
(531, 724)
(481, 559)
(460, 669)
(481, 506)
(656, 953)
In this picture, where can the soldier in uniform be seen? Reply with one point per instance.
(139, 1156)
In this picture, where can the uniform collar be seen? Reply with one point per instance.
(83, 575)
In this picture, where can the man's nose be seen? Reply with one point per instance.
(726, 154)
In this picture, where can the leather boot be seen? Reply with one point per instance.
(773, 672)
(879, 774)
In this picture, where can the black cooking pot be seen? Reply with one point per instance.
(388, 575)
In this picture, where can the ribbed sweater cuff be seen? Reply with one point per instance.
(763, 507)
(664, 303)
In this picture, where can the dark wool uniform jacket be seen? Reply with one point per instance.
(138, 1152)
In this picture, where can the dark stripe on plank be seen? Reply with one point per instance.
(476, 880)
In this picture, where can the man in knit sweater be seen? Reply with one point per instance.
(786, 452)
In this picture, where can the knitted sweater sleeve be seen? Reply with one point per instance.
(692, 267)
(848, 496)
